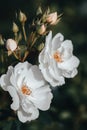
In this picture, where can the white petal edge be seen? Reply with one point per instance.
(67, 44)
(56, 41)
(48, 42)
(70, 74)
(2, 82)
(24, 117)
(70, 64)
(15, 98)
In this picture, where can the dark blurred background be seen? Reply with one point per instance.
(69, 107)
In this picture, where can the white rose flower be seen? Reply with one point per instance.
(57, 61)
(28, 89)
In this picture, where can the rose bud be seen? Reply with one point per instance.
(11, 45)
(41, 29)
(52, 18)
(22, 17)
(15, 28)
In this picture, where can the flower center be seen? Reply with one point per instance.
(57, 57)
(25, 90)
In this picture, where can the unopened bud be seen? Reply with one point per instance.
(11, 45)
(40, 47)
(39, 11)
(15, 28)
(52, 18)
(41, 29)
(22, 17)
(1, 40)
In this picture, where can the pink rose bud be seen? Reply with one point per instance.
(52, 18)
(11, 45)
(41, 30)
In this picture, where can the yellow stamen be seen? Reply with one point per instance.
(57, 57)
(25, 90)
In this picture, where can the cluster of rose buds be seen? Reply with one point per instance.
(45, 20)
(40, 27)
(29, 85)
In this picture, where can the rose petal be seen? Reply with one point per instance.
(57, 40)
(42, 97)
(48, 42)
(70, 64)
(34, 78)
(67, 49)
(70, 74)
(23, 116)
(15, 98)
(4, 80)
